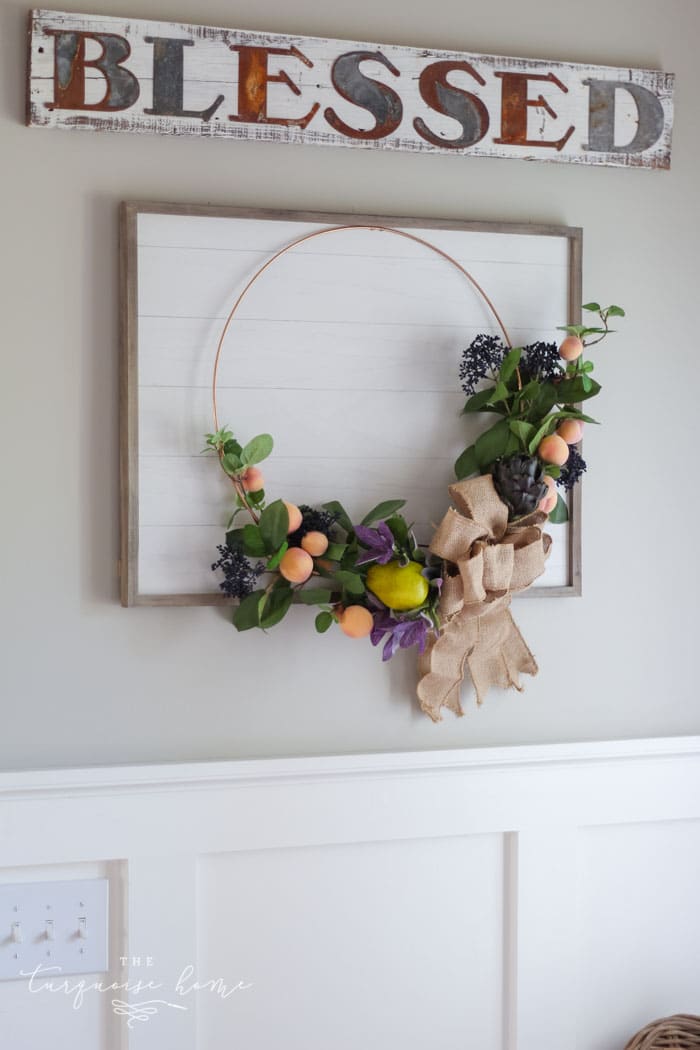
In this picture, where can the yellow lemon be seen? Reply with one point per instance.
(401, 587)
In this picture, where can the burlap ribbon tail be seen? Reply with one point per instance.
(487, 561)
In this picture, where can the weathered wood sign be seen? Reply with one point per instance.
(98, 73)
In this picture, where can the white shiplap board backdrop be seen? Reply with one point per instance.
(347, 351)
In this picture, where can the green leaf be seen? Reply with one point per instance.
(247, 539)
(256, 498)
(219, 439)
(593, 307)
(399, 529)
(257, 449)
(335, 551)
(477, 401)
(569, 391)
(540, 433)
(493, 444)
(553, 470)
(326, 568)
(572, 329)
(546, 399)
(529, 391)
(383, 511)
(510, 363)
(573, 413)
(499, 393)
(342, 516)
(615, 311)
(253, 543)
(276, 606)
(466, 464)
(352, 583)
(274, 526)
(247, 614)
(277, 558)
(587, 366)
(231, 463)
(523, 431)
(232, 447)
(323, 621)
(314, 596)
(560, 513)
(587, 383)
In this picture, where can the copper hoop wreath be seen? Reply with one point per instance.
(337, 229)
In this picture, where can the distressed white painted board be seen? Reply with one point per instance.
(272, 87)
(347, 351)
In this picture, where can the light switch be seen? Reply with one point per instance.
(59, 944)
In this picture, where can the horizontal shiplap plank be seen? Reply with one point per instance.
(352, 425)
(176, 283)
(207, 233)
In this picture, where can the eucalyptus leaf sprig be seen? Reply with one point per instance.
(239, 462)
(537, 391)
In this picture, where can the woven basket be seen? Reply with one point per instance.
(681, 1032)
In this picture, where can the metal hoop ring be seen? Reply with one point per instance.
(320, 233)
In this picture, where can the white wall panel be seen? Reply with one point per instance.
(376, 945)
(638, 932)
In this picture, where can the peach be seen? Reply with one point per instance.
(571, 348)
(295, 518)
(315, 543)
(570, 431)
(553, 449)
(356, 621)
(253, 480)
(296, 565)
(549, 502)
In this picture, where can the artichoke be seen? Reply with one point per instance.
(519, 481)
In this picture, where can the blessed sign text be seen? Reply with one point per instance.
(102, 73)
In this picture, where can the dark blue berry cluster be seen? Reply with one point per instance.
(540, 361)
(240, 576)
(481, 360)
(572, 470)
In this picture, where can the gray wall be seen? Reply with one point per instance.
(88, 682)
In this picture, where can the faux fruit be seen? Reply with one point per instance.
(253, 480)
(355, 621)
(571, 431)
(315, 543)
(296, 565)
(553, 449)
(549, 502)
(399, 587)
(295, 518)
(520, 482)
(571, 348)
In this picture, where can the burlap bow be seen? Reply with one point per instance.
(488, 561)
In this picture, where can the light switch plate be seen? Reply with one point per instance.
(60, 927)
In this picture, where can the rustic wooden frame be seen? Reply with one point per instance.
(128, 406)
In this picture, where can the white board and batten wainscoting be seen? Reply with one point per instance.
(347, 350)
(530, 898)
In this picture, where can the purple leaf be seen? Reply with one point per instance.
(379, 543)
